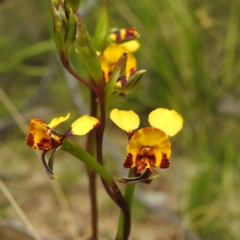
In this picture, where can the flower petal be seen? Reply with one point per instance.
(131, 64)
(57, 121)
(141, 178)
(168, 121)
(107, 68)
(83, 125)
(49, 172)
(111, 55)
(126, 120)
(114, 52)
(38, 136)
(131, 46)
(41, 137)
(153, 139)
(124, 34)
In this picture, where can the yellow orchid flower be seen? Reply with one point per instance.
(122, 41)
(148, 147)
(43, 136)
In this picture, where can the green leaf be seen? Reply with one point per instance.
(71, 31)
(74, 4)
(88, 53)
(118, 70)
(59, 30)
(131, 82)
(101, 32)
(64, 29)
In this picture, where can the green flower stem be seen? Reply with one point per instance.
(128, 195)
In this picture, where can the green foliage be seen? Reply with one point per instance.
(190, 49)
(101, 31)
(87, 52)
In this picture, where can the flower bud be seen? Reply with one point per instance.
(125, 84)
(64, 28)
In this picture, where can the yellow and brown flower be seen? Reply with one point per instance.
(122, 41)
(42, 136)
(148, 147)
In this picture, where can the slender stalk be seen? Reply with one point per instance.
(70, 70)
(90, 147)
(128, 196)
(19, 211)
(93, 199)
(114, 191)
(88, 159)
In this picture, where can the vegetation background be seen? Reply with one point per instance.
(191, 52)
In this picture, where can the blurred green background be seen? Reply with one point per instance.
(190, 50)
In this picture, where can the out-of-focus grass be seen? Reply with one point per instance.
(191, 52)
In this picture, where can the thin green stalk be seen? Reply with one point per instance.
(19, 211)
(128, 196)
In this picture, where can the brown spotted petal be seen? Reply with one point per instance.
(165, 163)
(41, 136)
(128, 161)
(148, 148)
(124, 34)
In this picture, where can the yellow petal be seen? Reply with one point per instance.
(126, 120)
(57, 121)
(148, 143)
(38, 136)
(150, 137)
(83, 125)
(168, 121)
(113, 52)
(107, 68)
(131, 46)
(131, 66)
(111, 56)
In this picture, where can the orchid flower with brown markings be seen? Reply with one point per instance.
(149, 147)
(122, 41)
(43, 136)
